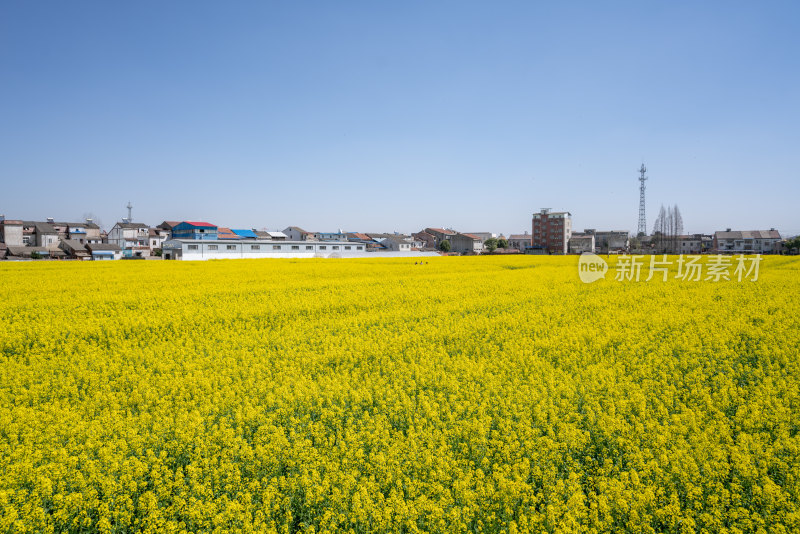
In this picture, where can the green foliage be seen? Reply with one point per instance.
(444, 246)
(792, 245)
(490, 244)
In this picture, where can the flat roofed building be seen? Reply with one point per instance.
(203, 249)
(520, 241)
(551, 231)
(581, 243)
(11, 233)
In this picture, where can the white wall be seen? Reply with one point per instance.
(305, 249)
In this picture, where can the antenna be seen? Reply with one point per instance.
(642, 217)
(130, 208)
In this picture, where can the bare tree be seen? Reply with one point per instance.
(677, 227)
(660, 228)
(667, 228)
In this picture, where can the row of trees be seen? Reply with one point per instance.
(667, 228)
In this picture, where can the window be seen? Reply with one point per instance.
(231, 247)
(322, 247)
(212, 247)
(192, 247)
(359, 248)
(295, 247)
(309, 247)
(276, 247)
(255, 247)
(335, 247)
(347, 247)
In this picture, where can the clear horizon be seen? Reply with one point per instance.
(382, 118)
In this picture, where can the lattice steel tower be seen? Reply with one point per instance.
(642, 218)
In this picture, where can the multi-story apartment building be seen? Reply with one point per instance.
(551, 231)
(132, 238)
(748, 242)
(693, 244)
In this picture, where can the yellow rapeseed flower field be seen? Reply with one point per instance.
(484, 394)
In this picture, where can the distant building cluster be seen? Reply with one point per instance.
(551, 233)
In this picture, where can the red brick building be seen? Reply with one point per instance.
(551, 231)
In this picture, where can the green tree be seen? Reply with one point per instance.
(490, 244)
(792, 245)
(502, 243)
(444, 246)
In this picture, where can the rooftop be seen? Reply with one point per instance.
(248, 234)
(200, 224)
(749, 234)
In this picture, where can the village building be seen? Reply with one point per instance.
(194, 230)
(204, 249)
(747, 242)
(520, 241)
(132, 238)
(465, 244)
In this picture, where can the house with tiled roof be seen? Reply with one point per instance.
(156, 238)
(397, 243)
(466, 243)
(747, 242)
(104, 251)
(74, 249)
(226, 233)
(132, 238)
(168, 226)
(439, 235)
(358, 236)
(295, 233)
(40, 234)
(424, 240)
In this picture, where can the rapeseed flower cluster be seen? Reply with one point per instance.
(487, 394)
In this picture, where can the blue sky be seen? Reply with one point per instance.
(379, 116)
